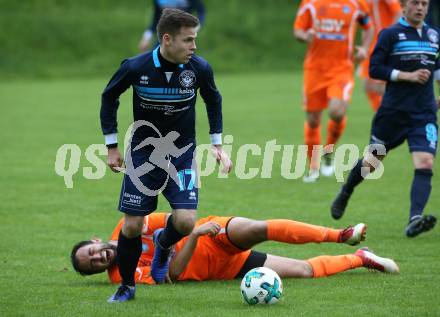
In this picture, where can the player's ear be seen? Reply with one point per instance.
(166, 39)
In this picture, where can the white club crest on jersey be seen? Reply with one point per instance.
(433, 35)
(187, 78)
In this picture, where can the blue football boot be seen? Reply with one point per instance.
(123, 293)
(161, 259)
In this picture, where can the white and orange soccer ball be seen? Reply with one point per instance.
(261, 285)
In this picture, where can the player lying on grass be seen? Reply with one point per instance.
(220, 248)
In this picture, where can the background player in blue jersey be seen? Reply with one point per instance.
(406, 56)
(165, 82)
(189, 6)
(433, 17)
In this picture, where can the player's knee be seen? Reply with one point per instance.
(336, 114)
(132, 226)
(306, 270)
(258, 229)
(313, 123)
(184, 221)
(313, 119)
(426, 163)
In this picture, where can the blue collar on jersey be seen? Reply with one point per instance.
(156, 58)
(403, 22)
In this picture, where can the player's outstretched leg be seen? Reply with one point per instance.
(128, 251)
(179, 224)
(420, 224)
(123, 293)
(340, 203)
(295, 232)
(372, 261)
(161, 259)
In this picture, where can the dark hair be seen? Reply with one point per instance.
(172, 20)
(74, 259)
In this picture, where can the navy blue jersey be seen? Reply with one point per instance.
(184, 5)
(165, 99)
(400, 47)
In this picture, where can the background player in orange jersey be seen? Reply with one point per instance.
(219, 248)
(329, 29)
(383, 14)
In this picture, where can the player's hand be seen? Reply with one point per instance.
(222, 158)
(309, 35)
(360, 54)
(210, 228)
(145, 41)
(305, 36)
(420, 76)
(143, 45)
(114, 160)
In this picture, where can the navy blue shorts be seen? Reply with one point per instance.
(139, 194)
(392, 127)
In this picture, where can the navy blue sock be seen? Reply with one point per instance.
(420, 190)
(169, 235)
(127, 257)
(354, 178)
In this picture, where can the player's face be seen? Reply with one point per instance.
(415, 11)
(96, 257)
(181, 46)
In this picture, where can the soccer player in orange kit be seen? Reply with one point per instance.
(383, 13)
(329, 29)
(219, 248)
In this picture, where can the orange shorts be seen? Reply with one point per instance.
(320, 87)
(215, 258)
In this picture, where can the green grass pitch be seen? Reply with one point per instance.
(41, 219)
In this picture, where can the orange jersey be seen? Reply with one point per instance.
(214, 258)
(335, 24)
(383, 13)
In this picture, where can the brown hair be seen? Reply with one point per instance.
(172, 20)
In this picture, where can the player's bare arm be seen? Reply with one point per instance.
(361, 52)
(306, 36)
(182, 258)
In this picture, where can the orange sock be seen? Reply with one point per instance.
(335, 130)
(312, 136)
(327, 265)
(375, 100)
(289, 231)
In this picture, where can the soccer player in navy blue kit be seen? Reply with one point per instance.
(406, 56)
(165, 82)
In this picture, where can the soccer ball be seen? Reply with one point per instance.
(261, 286)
